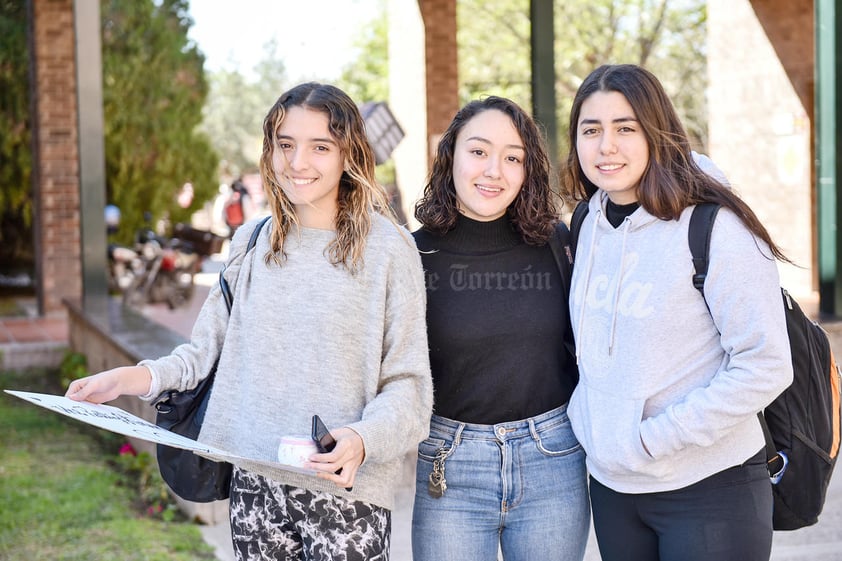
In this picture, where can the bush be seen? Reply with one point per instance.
(73, 366)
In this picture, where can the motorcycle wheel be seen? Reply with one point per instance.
(134, 296)
(179, 296)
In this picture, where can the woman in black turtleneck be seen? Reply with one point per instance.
(501, 468)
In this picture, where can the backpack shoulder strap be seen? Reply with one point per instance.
(227, 295)
(579, 214)
(560, 245)
(698, 238)
(559, 242)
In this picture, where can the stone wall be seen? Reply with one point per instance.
(408, 101)
(760, 130)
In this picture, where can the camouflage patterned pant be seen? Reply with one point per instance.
(279, 522)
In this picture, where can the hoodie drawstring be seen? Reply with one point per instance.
(616, 301)
(626, 226)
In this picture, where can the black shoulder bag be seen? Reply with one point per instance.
(189, 475)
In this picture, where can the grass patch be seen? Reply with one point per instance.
(9, 307)
(64, 498)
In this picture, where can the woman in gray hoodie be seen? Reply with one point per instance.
(670, 381)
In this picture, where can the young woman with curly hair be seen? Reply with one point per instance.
(501, 468)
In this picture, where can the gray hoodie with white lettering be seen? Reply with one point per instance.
(669, 389)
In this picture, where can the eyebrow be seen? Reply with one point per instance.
(486, 141)
(597, 121)
(323, 140)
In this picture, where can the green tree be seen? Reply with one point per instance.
(271, 81)
(15, 138)
(236, 107)
(367, 77)
(230, 121)
(154, 89)
(666, 36)
(493, 50)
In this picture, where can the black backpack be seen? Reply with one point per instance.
(802, 425)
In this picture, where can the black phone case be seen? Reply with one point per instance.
(321, 436)
(324, 440)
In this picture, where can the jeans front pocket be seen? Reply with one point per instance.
(557, 441)
(428, 448)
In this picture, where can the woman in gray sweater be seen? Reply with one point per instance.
(328, 319)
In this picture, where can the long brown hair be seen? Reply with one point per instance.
(672, 180)
(359, 193)
(533, 212)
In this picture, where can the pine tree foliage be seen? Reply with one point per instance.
(15, 140)
(154, 88)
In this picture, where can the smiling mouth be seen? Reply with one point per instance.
(609, 167)
(487, 189)
(301, 181)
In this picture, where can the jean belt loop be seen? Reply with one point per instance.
(457, 438)
(533, 431)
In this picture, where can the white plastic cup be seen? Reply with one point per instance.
(296, 450)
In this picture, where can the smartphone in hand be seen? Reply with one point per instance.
(324, 440)
(321, 436)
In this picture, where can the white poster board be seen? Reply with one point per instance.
(116, 420)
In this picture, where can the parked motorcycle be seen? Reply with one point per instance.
(124, 265)
(166, 275)
(158, 268)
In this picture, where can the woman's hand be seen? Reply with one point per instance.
(345, 458)
(111, 384)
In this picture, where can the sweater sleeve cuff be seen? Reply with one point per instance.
(154, 386)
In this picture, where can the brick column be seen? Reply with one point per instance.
(442, 68)
(55, 155)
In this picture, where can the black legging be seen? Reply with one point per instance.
(725, 517)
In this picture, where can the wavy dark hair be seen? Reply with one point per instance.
(533, 213)
(672, 181)
(359, 193)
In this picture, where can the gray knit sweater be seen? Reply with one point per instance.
(309, 338)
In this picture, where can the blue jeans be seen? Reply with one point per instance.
(519, 486)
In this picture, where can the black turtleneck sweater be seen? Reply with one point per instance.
(496, 317)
